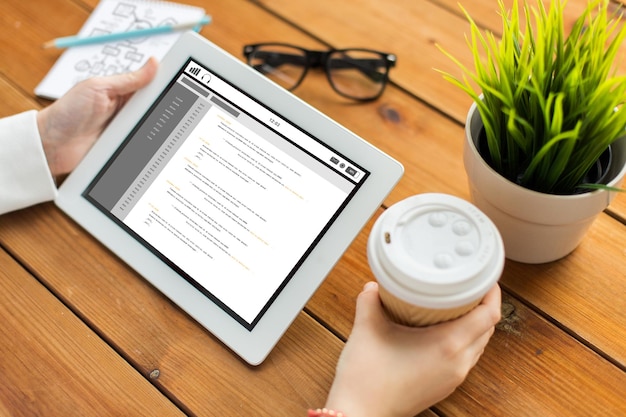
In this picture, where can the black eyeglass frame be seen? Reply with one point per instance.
(320, 59)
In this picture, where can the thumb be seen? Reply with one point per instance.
(368, 306)
(122, 84)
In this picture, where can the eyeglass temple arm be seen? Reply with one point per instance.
(366, 65)
(277, 59)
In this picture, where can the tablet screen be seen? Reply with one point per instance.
(227, 192)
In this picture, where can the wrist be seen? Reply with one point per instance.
(47, 144)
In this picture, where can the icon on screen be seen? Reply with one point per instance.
(194, 71)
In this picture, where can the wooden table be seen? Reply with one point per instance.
(82, 334)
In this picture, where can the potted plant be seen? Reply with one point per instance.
(545, 150)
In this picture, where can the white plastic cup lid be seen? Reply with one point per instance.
(435, 250)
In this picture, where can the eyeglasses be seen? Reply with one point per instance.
(359, 74)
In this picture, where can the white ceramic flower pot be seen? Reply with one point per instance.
(535, 227)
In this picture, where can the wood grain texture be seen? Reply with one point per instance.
(28, 24)
(530, 368)
(51, 363)
(566, 292)
(413, 30)
(13, 100)
(152, 334)
(559, 351)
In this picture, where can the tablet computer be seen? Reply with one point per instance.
(230, 195)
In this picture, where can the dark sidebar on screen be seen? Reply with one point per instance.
(131, 158)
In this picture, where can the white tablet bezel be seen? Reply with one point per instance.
(253, 346)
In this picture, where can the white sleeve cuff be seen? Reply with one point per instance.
(25, 178)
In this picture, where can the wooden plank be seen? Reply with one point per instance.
(581, 292)
(397, 123)
(52, 364)
(530, 365)
(407, 28)
(586, 291)
(30, 24)
(414, 134)
(14, 101)
(154, 335)
(601, 250)
(193, 364)
(231, 32)
(411, 30)
(530, 368)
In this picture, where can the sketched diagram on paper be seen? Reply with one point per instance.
(114, 16)
(124, 55)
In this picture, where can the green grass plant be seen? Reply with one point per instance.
(551, 103)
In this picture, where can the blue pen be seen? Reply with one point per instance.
(70, 41)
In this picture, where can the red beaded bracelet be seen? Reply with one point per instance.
(325, 412)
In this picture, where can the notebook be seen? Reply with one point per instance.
(112, 16)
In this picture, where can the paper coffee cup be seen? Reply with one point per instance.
(435, 256)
